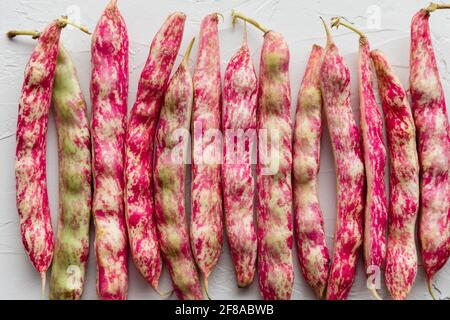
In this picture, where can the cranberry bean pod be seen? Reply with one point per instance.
(309, 229)
(431, 119)
(170, 178)
(206, 193)
(75, 194)
(109, 90)
(239, 120)
(30, 169)
(345, 140)
(139, 197)
(401, 258)
(275, 265)
(375, 212)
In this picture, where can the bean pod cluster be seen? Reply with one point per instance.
(132, 176)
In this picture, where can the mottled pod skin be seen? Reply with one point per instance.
(239, 118)
(375, 220)
(401, 258)
(109, 90)
(75, 194)
(170, 178)
(275, 234)
(309, 229)
(431, 119)
(144, 115)
(206, 192)
(345, 140)
(32, 124)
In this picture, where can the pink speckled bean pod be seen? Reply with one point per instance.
(32, 124)
(309, 229)
(275, 235)
(345, 140)
(206, 192)
(170, 177)
(109, 90)
(375, 212)
(239, 120)
(431, 119)
(139, 199)
(401, 258)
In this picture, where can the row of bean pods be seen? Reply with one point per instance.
(131, 175)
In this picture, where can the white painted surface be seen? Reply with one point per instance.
(296, 20)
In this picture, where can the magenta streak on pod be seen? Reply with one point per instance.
(170, 178)
(139, 201)
(401, 259)
(239, 120)
(109, 90)
(311, 241)
(31, 144)
(206, 193)
(345, 140)
(431, 119)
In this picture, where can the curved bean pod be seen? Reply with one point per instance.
(275, 265)
(206, 193)
(239, 120)
(375, 212)
(401, 259)
(345, 140)
(170, 177)
(311, 242)
(431, 119)
(31, 144)
(75, 199)
(109, 90)
(144, 115)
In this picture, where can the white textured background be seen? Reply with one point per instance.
(296, 20)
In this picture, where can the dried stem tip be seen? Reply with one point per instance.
(337, 21)
(430, 288)
(13, 33)
(327, 31)
(436, 6)
(237, 15)
(188, 50)
(64, 21)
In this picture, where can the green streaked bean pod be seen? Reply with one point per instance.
(74, 145)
